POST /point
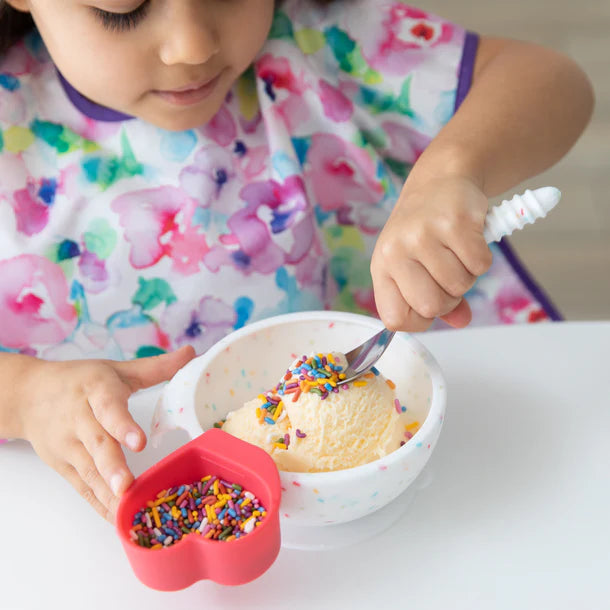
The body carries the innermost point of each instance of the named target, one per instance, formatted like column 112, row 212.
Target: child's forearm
column 525, row 109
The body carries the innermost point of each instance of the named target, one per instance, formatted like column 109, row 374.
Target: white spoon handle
column 515, row 213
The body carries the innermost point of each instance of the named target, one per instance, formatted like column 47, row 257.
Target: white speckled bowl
column 252, row 359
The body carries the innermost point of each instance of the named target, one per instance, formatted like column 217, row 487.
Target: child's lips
column 189, row 94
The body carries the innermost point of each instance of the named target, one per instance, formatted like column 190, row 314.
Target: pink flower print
column 341, row 173
column 392, row 38
column 285, row 200
column 221, row 128
column 31, row 205
column 293, row 112
column 210, row 174
column 423, row 31
column 19, row 60
column 304, row 241
column 31, row 215
column 405, row 144
column 252, row 125
column 253, row 162
column 158, row 223
column 312, row 265
column 337, row 106
column 515, row 305
column 273, row 209
column 95, row 276
column 276, row 73
column 201, row 324
column 35, row 307
column 285, row 90
column 257, row 251
column 275, row 228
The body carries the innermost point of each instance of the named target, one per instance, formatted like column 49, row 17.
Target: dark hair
column 15, row 24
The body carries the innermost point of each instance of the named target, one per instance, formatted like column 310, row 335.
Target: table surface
column 515, row 515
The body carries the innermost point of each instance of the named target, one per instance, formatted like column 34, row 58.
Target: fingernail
column 132, row 439
column 115, row 483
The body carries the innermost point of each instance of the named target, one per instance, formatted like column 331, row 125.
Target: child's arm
column 75, row 416
column 525, row 109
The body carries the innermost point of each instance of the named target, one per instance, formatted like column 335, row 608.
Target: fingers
column 474, row 254
column 108, row 401
column 394, row 311
column 409, row 294
column 430, row 253
column 460, row 317
column 83, row 475
column 146, row 372
column 418, row 277
column 107, row 456
column 108, row 395
column 448, row 272
column 420, row 290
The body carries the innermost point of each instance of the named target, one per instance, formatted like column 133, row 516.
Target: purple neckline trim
column 89, row 108
column 469, row 53
column 528, row 280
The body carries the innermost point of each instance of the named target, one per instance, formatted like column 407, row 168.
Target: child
column 173, row 169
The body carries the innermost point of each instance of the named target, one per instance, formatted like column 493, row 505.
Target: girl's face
column 169, row 62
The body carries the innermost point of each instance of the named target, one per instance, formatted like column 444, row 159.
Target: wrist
column 442, row 160
column 14, row 372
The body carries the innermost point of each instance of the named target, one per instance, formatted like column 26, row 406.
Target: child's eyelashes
column 121, row 22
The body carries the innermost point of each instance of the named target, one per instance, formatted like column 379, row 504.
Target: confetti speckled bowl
column 252, row 359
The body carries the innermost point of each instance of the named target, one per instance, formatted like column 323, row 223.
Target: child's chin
column 182, row 125
column 182, row 119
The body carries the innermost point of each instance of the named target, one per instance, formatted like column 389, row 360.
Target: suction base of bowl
column 327, row 537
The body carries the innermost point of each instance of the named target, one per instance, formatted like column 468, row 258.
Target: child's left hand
column 430, row 253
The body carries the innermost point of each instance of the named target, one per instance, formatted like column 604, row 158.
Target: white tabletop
column 516, row 515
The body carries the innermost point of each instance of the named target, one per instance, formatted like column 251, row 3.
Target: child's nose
column 190, row 36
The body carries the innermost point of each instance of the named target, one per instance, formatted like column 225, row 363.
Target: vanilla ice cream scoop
column 309, row 423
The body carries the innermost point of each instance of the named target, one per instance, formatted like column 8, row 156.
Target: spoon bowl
column 362, row 358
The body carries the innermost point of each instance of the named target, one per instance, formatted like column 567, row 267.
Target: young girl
column 171, row 170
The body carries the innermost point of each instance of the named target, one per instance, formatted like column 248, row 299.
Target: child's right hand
column 430, row 253
column 75, row 416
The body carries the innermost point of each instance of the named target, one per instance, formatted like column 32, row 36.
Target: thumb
column 145, row 372
column 460, row 316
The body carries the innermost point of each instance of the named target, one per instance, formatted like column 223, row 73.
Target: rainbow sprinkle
column 319, row 374
column 213, row 508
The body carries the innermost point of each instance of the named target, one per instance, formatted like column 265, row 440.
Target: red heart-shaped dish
column 194, row 557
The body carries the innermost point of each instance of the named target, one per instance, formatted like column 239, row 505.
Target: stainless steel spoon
column 501, row 220
column 362, row 358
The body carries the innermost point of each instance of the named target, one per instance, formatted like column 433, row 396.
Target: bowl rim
column 437, row 379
